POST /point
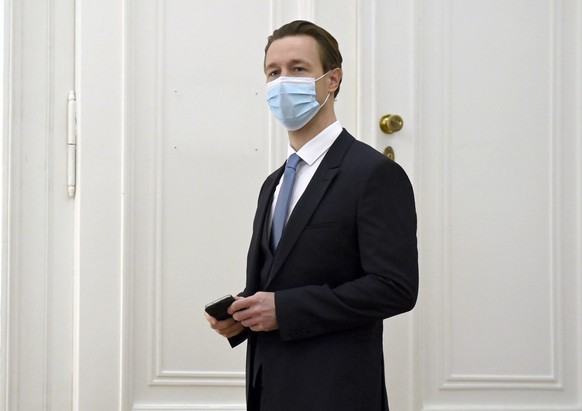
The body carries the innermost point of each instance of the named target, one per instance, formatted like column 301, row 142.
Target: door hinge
column 72, row 144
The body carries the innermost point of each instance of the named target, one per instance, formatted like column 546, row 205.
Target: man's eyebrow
column 299, row 61
column 292, row 62
column 270, row 66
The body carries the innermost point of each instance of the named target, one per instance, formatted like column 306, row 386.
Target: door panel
column 494, row 186
column 199, row 133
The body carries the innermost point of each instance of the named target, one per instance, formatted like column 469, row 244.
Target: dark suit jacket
column 346, row 261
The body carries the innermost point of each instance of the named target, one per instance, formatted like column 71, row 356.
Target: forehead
column 293, row 48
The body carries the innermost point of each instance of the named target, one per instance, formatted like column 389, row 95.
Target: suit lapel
column 259, row 230
column 310, row 199
column 266, row 203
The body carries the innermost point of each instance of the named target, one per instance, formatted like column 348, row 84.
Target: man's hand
column 256, row 312
column 227, row 328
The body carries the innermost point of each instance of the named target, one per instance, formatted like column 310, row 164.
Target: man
column 318, row 289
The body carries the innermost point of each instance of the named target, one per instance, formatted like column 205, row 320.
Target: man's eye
column 273, row 73
column 298, row 69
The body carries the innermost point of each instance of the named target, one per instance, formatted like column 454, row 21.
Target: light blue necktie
column 282, row 206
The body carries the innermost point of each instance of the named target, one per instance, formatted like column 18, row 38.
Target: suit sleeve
column 239, row 338
column 386, row 231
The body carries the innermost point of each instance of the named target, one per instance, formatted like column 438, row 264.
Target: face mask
column 292, row 100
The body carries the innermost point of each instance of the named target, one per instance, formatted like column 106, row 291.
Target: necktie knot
column 293, row 161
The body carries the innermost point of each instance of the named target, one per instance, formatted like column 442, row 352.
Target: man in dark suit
column 321, row 280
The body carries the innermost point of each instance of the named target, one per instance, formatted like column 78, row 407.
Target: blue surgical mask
column 293, row 101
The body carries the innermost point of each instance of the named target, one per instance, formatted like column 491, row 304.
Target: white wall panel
column 499, row 316
column 185, row 119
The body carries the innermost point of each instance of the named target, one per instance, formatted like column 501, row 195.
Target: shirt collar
column 318, row 145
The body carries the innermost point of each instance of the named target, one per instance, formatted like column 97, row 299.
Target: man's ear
column 335, row 78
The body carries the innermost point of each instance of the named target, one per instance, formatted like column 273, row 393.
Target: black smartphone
column 218, row 308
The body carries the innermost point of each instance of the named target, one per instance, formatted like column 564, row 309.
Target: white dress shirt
column 312, row 154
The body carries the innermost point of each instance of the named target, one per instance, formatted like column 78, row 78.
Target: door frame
column 36, row 298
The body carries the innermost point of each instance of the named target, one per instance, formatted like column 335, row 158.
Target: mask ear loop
column 328, row 94
column 325, row 101
column 329, row 71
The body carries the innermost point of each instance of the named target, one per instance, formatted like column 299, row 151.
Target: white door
column 172, row 122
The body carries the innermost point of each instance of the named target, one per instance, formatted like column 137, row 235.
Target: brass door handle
column 391, row 123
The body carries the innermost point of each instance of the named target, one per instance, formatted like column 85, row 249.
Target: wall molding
column 199, row 378
column 160, row 375
column 195, row 407
column 472, row 407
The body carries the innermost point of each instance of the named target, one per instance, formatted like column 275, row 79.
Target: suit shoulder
column 364, row 157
